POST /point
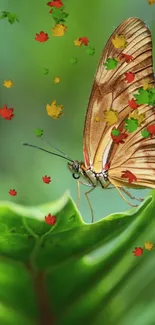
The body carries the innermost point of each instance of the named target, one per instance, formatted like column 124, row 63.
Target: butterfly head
column 76, row 168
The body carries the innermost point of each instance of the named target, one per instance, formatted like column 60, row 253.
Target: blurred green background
column 22, row 59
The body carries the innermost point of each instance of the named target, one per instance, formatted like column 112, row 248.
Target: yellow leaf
column 119, row 41
column 77, row 42
column 148, row 245
column 59, row 30
column 139, row 117
column 56, row 80
column 146, row 85
column 151, row 2
column 97, row 119
column 117, row 59
column 8, row 83
column 111, row 117
column 53, row 110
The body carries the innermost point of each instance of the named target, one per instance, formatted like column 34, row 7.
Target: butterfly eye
column 75, row 166
column 75, row 176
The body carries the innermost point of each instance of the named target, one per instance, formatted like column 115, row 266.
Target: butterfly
column 120, row 153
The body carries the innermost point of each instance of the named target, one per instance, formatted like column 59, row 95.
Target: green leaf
column 145, row 133
column 12, row 18
column 38, row 132
column 115, row 132
column 4, row 14
column 131, row 125
column 111, row 63
column 74, row 60
column 142, row 97
column 72, row 272
column 152, row 90
column 90, row 50
column 59, row 15
column 152, row 97
column 46, row 71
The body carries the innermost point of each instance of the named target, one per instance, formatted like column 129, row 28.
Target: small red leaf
column 127, row 57
column 129, row 77
column 132, row 103
column 151, row 129
column 138, row 251
column 13, row 192
column 56, row 4
column 50, row 220
column 41, row 37
column 6, row 113
column 119, row 138
column 131, row 177
column 84, row 40
column 46, row 179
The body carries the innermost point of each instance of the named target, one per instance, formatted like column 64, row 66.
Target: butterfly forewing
column 111, row 91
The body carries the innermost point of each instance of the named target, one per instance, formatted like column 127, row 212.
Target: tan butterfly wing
column 110, row 90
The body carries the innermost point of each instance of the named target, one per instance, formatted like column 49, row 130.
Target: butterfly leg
column 91, row 209
column 123, row 197
column 130, row 195
column 78, row 189
column 78, row 185
column 109, row 188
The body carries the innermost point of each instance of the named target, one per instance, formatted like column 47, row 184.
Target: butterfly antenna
column 51, row 145
column 52, row 153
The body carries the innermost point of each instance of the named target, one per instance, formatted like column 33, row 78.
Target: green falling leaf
column 152, row 96
column 145, row 133
column 38, row 132
column 59, row 15
column 74, row 60
column 115, row 132
column 131, row 125
column 110, row 64
column 12, row 18
column 4, row 14
column 142, row 97
column 90, row 50
column 46, row 71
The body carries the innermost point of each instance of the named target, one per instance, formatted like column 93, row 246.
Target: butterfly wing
column 138, row 159
column 111, row 91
